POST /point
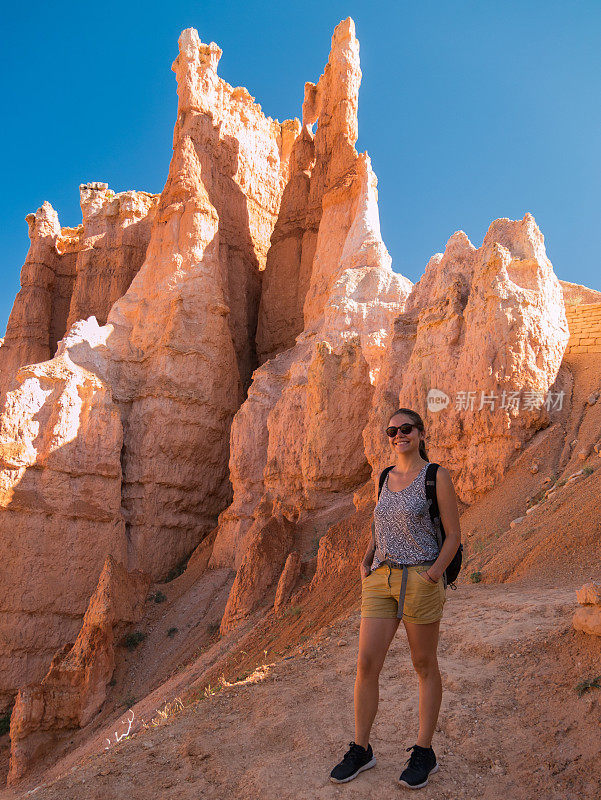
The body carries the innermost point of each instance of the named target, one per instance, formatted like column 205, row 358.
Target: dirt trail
column 511, row 723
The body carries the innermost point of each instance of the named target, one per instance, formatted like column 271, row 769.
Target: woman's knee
column 425, row 666
column 368, row 666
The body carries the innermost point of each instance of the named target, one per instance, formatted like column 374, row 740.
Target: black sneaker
column 355, row 761
column 420, row 764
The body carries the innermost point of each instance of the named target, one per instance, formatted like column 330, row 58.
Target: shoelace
column 417, row 758
column 354, row 751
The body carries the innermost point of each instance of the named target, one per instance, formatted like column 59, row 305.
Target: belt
column 405, row 571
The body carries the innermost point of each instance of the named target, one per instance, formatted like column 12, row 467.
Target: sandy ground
column 511, row 724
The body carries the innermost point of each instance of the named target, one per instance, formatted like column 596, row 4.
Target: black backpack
column 452, row 571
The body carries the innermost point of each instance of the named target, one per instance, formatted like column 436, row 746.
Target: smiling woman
column 402, row 577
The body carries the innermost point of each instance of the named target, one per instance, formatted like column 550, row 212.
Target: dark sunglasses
column 405, row 428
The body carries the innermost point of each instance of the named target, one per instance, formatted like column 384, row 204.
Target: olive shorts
column 380, row 590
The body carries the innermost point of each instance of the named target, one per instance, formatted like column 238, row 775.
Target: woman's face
column 404, row 442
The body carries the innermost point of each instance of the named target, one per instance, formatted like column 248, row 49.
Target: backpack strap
column 383, row 475
column 431, row 471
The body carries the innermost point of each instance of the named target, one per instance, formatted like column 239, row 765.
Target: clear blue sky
column 469, row 110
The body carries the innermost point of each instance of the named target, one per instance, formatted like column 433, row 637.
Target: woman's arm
column 449, row 515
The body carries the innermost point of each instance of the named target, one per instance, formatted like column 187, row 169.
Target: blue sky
column 469, row 110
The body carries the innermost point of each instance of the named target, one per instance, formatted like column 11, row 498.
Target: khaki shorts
column 380, row 590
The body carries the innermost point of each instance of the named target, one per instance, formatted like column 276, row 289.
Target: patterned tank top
column 404, row 531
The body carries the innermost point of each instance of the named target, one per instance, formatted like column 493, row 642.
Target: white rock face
column 490, row 321
column 296, row 442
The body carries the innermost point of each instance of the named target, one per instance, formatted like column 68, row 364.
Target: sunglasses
column 405, row 428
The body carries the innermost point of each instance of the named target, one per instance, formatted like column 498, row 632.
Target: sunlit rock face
column 75, row 686
column 296, row 442
column 182, row 342
column 60, row 502
column 490, row 321
column 72, row 273
column 120, row 443
column 116, row 232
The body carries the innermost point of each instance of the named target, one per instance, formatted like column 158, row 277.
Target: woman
column 407, row 556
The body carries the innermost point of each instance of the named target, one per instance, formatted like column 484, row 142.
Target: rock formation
column 39, row 314
column 263, row 563
column 72, row 273
column 575, row 294
column 181, row 345
column 75, row 686
column 116, row 232
column 119, row 445
column 287, row 579
column 587, row 617
column 296, row 443
column 60, row 499
column 487, row 328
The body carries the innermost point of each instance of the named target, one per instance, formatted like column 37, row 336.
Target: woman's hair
column 419, row 424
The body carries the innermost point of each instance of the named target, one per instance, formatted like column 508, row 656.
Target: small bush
column 292, row 611
column 171, row 632
column 214, row 628
column 586, row 684
column 476, row 577
column 132, row 640
column 587, row 470
column 129, row 700
column 4, row 724
column 158, row 597
column 562, row 482
column 113, row 681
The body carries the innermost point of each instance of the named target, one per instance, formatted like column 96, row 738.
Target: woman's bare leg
column 375, row 636
column 423, row 643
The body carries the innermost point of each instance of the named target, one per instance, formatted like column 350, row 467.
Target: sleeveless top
column 404, row 531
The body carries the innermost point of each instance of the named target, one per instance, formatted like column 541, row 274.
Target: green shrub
column 4, row 724
column 587, row 470
column 172, row 631
column 132, row 640
column 476, row 577
column 292, row 611
column 586, row 684
column 158, row 597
